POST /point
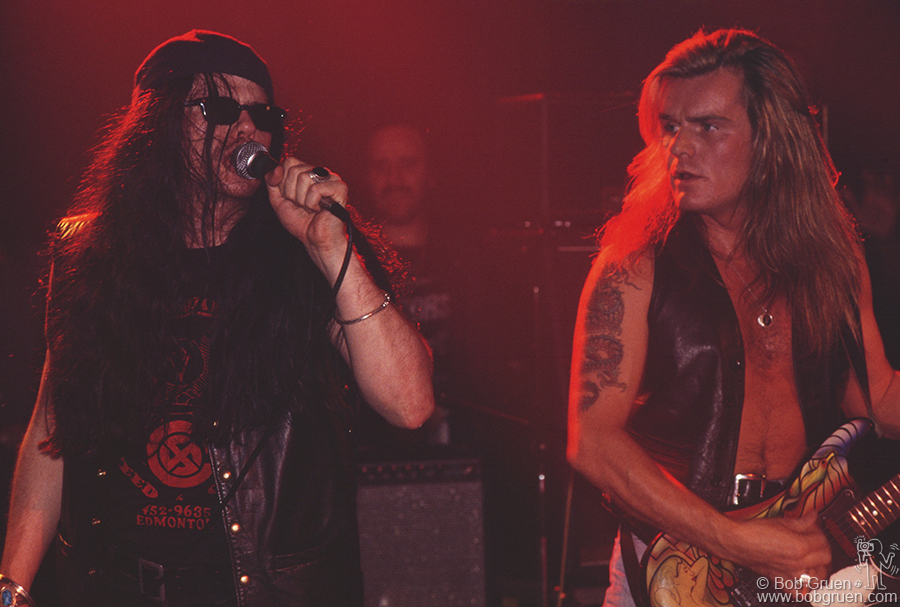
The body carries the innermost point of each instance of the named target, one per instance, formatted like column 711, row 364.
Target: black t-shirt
column 163, row 495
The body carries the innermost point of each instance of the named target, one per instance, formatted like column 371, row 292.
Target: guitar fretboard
column 867, row 518
column 877, row 510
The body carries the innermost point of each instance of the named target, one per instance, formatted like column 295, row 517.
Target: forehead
column 716, row 94
column 227, row 85
column 394, row 142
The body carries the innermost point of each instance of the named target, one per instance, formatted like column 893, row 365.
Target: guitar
column 674, row 573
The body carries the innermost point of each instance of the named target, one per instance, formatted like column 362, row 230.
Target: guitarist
column 726, row 325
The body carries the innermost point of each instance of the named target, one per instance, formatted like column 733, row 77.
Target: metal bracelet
column 384, row 304
column 13, row 595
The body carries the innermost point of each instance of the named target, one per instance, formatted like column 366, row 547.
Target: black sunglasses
column 225, row 110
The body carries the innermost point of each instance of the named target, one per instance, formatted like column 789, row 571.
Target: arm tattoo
column 603, row 349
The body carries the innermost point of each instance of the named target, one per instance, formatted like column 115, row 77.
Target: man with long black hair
column 206, row 336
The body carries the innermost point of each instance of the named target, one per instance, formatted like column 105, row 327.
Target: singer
column 191, row 441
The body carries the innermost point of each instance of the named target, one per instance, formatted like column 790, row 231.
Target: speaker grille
column 421, row 533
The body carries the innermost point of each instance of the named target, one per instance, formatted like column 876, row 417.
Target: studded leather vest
column 693, row 386
column 290, row 526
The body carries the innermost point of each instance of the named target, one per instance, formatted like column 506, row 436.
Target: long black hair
column 121, row 276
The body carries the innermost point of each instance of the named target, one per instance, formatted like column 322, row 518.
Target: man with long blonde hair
column 726, row 326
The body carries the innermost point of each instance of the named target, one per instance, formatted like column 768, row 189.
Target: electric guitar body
column 675, row 573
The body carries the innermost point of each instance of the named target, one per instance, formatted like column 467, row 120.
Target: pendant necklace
column 764, row 319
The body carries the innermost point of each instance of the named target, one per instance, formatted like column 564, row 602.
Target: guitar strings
column 868, row 518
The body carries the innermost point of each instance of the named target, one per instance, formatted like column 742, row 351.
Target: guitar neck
column 876, row 511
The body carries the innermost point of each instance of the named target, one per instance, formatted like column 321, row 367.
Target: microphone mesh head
column 244, row 154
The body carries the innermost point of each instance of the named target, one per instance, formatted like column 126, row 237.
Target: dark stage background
column 522, row 182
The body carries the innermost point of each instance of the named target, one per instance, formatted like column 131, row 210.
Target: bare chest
column 772, row 439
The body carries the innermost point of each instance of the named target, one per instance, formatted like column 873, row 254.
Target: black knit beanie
column 200, row 51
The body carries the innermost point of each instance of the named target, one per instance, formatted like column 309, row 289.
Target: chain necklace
column 764, row 319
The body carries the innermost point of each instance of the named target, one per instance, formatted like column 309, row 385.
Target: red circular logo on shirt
column 175, row 458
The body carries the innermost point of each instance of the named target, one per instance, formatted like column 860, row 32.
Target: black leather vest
column 290, row 526
column 693, row 385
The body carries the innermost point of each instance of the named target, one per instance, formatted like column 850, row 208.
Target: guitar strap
column 631, row 564
column 857, row 357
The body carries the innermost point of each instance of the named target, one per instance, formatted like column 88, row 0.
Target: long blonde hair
column 797, row 232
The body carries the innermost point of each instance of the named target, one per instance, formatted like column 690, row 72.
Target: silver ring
column 319, row 174
column 805, row 579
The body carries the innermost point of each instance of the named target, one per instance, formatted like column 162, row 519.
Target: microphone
column 253, row 161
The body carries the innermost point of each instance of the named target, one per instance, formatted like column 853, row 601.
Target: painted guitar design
column 677, row 574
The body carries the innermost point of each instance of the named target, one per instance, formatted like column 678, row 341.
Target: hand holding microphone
column 253, row 161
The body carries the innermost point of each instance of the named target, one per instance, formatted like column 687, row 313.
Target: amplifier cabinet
column 422, row 533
